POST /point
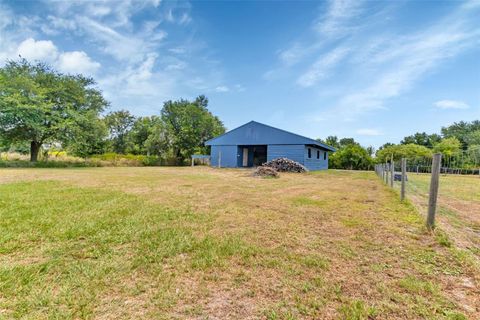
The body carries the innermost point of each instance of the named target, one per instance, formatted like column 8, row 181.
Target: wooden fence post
column 219, row 159
column 392, row 173
column 192, row 162
column 404, row 177
column 434, row 183
column 386, row 173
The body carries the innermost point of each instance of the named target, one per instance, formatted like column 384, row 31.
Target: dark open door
column 259, row 155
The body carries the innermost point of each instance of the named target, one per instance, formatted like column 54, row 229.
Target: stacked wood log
column 262, row 171
column 285, row 165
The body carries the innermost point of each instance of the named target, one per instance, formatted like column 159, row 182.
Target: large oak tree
column 40, row 105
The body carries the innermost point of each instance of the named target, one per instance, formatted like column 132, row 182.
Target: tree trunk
column 178, row 157
column 34, row 149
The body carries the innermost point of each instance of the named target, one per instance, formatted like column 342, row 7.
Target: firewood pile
column 285, row 165
column 262, row 171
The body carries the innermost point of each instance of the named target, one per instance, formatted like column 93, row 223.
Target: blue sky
column 372, row 70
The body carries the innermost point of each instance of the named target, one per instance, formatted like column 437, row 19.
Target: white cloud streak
column 322, row 67
column 337, row 21
column 222, row 89
column 386, row 66
column 369, row 132
column 451, row 104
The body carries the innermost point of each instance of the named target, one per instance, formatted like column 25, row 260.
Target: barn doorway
column 259, row 155
column 252, row 155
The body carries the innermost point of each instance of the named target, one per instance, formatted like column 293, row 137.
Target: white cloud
column 293, row 54
column 6, row 16
column 402, row 64
column 337, row 21
column 100, row 11
column 179, row 65
column 239, row 88
column 333, row 24
column 222, row 89
column 233, row 88
column 42, row 50
column 184, row 19
column 77, row 62
column 322, row 67
column 178, row 50
column 390, row 65
column 139, row 69
column 451, row 104
column 369, row 132
column 46, row 51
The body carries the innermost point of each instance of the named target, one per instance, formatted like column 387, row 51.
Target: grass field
column 459, row 206
column 201, row 243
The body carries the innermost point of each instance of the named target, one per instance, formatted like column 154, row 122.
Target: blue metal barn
column 255, row 143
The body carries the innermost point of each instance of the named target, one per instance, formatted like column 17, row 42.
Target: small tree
column 422, row 139
column 189, row 125
column 90, row 138
column 399, row 151
column 40, row 105
column 158, row 142
column 448, row 146
column 119, row 124
column 351, row 156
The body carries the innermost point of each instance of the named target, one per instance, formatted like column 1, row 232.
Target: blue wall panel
column 293, row 152
column 231, row 156
column 313, row 163
column 228, row 154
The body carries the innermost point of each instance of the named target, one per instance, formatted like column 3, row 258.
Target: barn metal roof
column 255, row 133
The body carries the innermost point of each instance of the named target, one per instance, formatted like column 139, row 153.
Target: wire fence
column 449, row 190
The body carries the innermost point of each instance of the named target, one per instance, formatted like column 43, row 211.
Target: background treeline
column 47, row 115
column 459, row 142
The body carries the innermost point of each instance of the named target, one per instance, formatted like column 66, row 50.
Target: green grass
column 79, row 239
column 357, row 310
column 304, row 201
column 164, row 243
column 458, row 208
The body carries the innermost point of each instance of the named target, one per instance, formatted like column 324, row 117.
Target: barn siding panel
column 293, row 152
column 313, row 163
column 229, row 156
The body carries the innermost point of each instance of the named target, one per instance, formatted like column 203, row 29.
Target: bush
column 63, row 160
column 128, row 160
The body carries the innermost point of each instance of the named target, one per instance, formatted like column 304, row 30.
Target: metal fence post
column 404, row 176
column 434, row 183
